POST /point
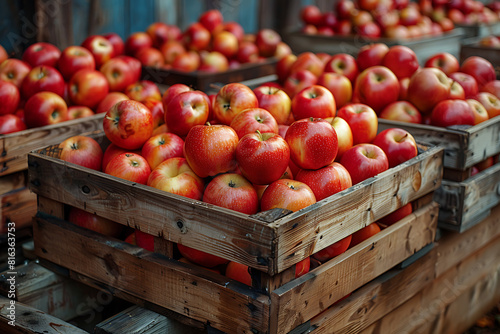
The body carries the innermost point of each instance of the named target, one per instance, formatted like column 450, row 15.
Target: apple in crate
column 343, row 63
column 398, row 144
column 444, row 61
column 110, row 100
column 314, row 101
column 395, row 216
column 161, row 147
column 186, row 110
column 117, row 43
column 254, row 119
column 143, row 90
column 262, row 157
column 11, row 123
column 276, row 101
column 112, row 151
column 468, row 83
column 82, row 150
column 14, row 70
column 134, row 65
column 287, row 194
column 492, row 87
column 232, row 99
column 9, row 98
column 94, row 222
column 137, row 41
column 117, row 72
column 377, row 86
column 297, row 81
column 45, row 108
column 129, row 166
column 3, row 54
column 480, row 68
column 364, row 233
column 326, row 181
column 174, row 175
column 362, row 120
column 490, row 102
column 402, row 111
column 363, row 161
column 339, row 85
column 401, row 60
column 41, row 54
column 199, row 257
column 196, row 37
column 344, row 135
column 75, row 112
column 371, row 55
column 42, row 79
column 267, row 41
column 452, row 112
column 238, row 272
column 73, row 59
column 128, row 124
column 88, row 88
column 333, row 250
column 100, row 47
column 308, row 61
column 480, row 113
column 211, row 149
column 428, row 87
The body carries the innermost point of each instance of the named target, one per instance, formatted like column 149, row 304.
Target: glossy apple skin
column 492, row 87
column 94, row 222
column 267, row 41
column 73, row 59
column 213, row 62
column 308, row 61
column 211, row 19
column 490, row 102
column 297, row 81
column 112, row 151
column 481, row 69
column 343, row 63
column 82, row 150
column 170, row 50
column 232, row 99
column 395, row 216
column 302, row 267
column 143, row 90
column 252, row 120
column 172, row 91
column 118, row 74
column 9, row 98
column 398, row 144
column 128, row 124
column 117, row 43
column 11, row 123
column 45, row 108
column 75, row 112
column 480, row 112
column 276, row 101
column 187, row 62
column 362, row 120
column 283, row 67
column 3, row 54
column 14, row 70
column 88, row 88
column 339, row 85
column 100, row 47
column 287, row 194
column 363, row 161
column 137, row 41
column 186, row 110
column 371, row 55
column 445, row 61
column 41, row 54
column 326, row 181
column 262, row 157
column 174, row 175
column 377, row 87
column 402, row 111
column 42, row 79
column 196, row 37
column 344, row 135
column 225, row 43
column 452, row 112
column 110, row 100
column 211, row 149
column 311, row 14
column 333, row 250
column 456, row 91
column 232, row 191
column 134, row 65
column 129, row 166
column 238, row 272
column 161, row 147
column 401, row 60
column 364, row 234
column 313, row 143
column 428, row 87
column 468, row 83
column 315, row 101
column 157, row 110
column 199, row 257
column 247, row 52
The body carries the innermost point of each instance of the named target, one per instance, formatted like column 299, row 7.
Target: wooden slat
column 376, row 299
column 16, row 146
column 17, row 206
column 29, row 320
column 422, row 312
column 13, row 181
column 30, row 277
column 153, row 277
column 136, row 319
column 300, row 300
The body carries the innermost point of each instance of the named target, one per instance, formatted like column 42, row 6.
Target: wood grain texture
column 17, row 206
column 153, row 277
column 298, row 301
column 13, row 181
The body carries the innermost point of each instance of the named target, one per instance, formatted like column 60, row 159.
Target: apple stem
column 232, row 184
column 115, row 120
column 74, row 146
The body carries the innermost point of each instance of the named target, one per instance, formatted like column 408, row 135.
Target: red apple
column 9, row 98
column 117, row 43
column 75, row 112
column 363, row 161
column 110, row 100
column 311, row 14
column 247, row 52
column 143, row 90
column 232, row 191
column 128, row 124
column 468, row 83
column 344, row 27
column 186, row 110
column 282, row 50
column 401, row 60
column 118, row 74
column 199, row 257
column 159, row 33
column 481, row 69
column 490, row 102
column 395, row 216
column 137, row 41
column 371, row 55
column 298, row 81
column 344, row 135
column 196, row 37
column 283, row 67
column 287, row 194
column 276, row 102
column 345, row 9
column 333, row 250
column 326, row 181
column 428, row 87
column 151, row 57
column 369, row 30
column 410, row 16
column 211, row 19
column 45, row 108
column 161, row 147
column 94, row 222
column 456, row 91
column 362, row 120
column 314, row 101
column 42, row 79
column 313, row 143
column 211, row 149
column 492, row 87
column 267, row 41
column 173, row 91
column 339, row 85
column 112, row 151
column 235, row 28
column 238, row 272
column 307, row 61
column 343, row 63
column 254, row 119
column 232, row 99
column 452, row 112
column 41, row 54
column 262, row 157
column 445, row 61
column 129, row 166
column 11, row 123
column 480, row 113
column 100, row 47
column 226, row 43
column 377, row 87
column 157, row 110
column 174, row 175
column 73, row 59
column 14, row 70
column 213, row 61
column 187, row 62
column 398, row 145
column 3, row 54
column 82, row 150
column 88, row 88
column 402, row 111
column 364, row 234
column 134, row 65
column 170, row 50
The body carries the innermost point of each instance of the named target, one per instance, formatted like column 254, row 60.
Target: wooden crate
column 423, row 47
column 271, row 243
column 479, row 30
column 471, row 47
column 18, row 203
column 248, row 74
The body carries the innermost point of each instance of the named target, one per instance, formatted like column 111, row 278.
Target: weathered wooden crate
column 479, row 30
column 464, row 200
column 17, row 202
column 424, row 47
column 471, row 47
column 247, row 74
column 270, row 243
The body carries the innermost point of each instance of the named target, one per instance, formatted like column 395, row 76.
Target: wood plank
column 30, row 277
column 16, row 146
column 376, row 299
column 17, row 206
column 29, row 320
column 421, row 313
column 292, row 306
column 13, row 181
column 153, row 277
column 136, row 319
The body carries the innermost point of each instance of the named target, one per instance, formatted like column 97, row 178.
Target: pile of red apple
column 245, row 150
column 210, row 44
column 490, row 41
column 48, row 85
column 463, row 12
